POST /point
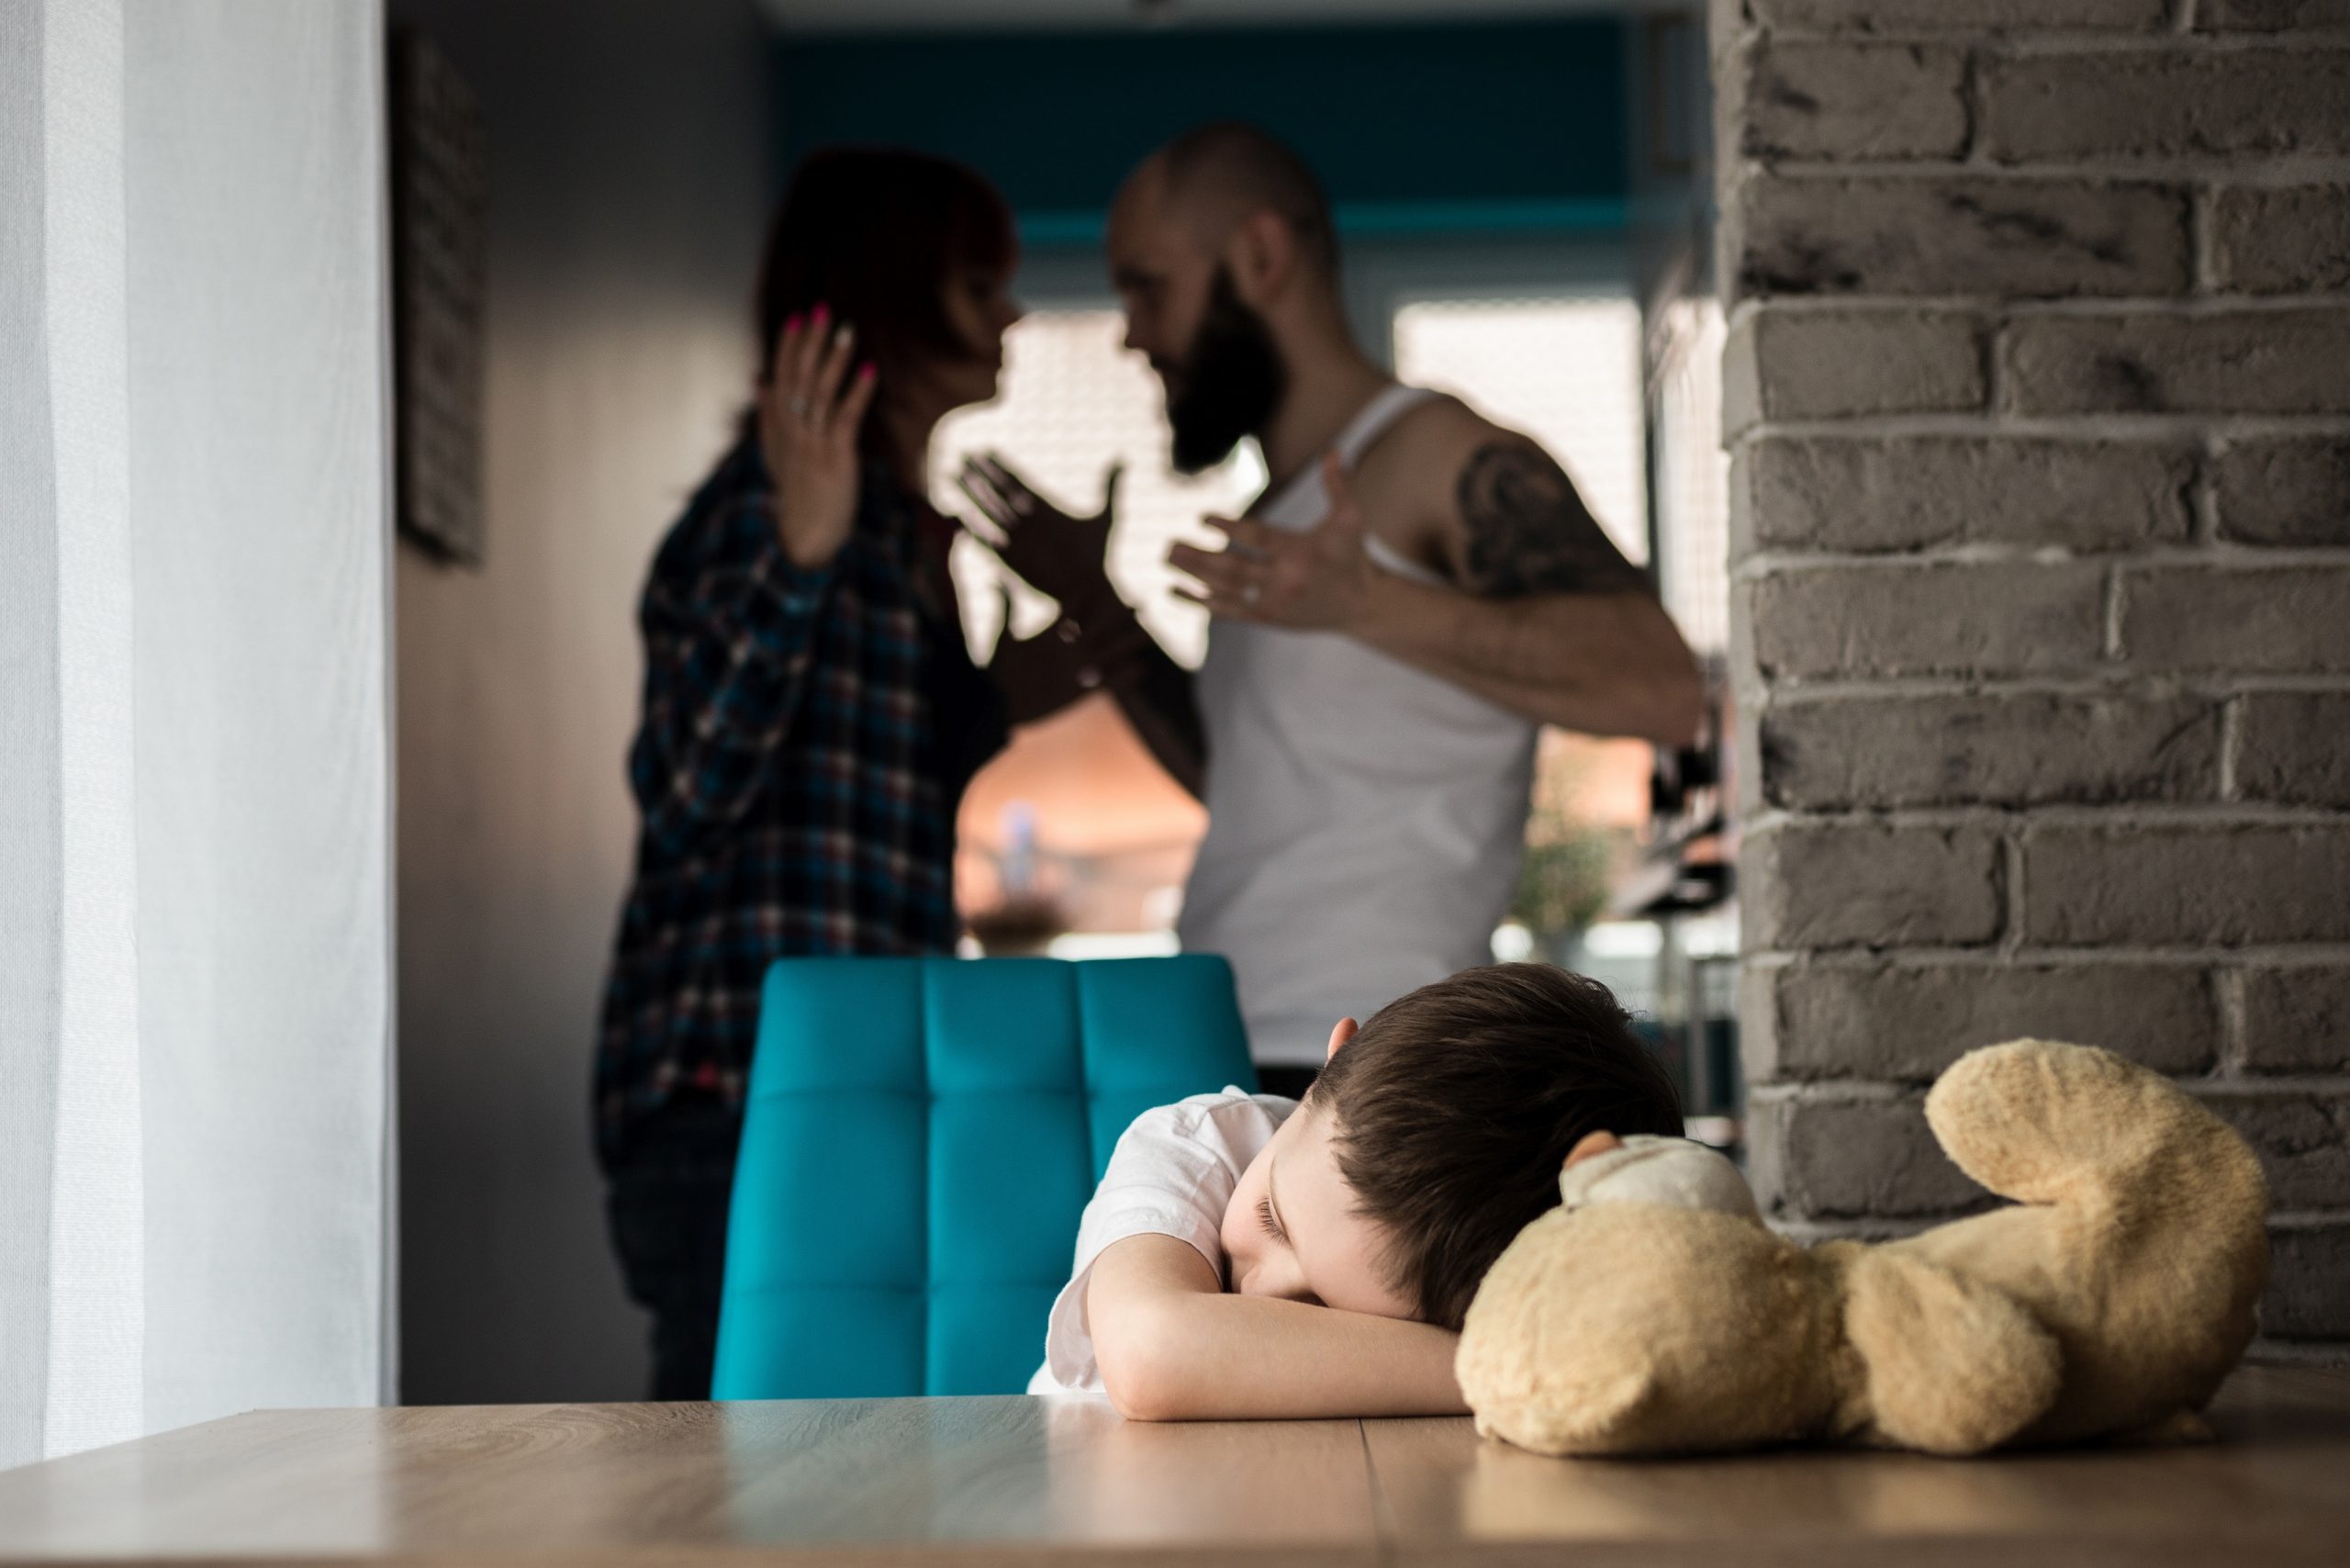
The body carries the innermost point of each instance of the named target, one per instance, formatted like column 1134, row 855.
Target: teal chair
column 919, row 1137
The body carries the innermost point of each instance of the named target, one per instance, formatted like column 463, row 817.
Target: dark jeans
column 666, row 1206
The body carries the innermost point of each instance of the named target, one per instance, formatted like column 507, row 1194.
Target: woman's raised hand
column 810, row 410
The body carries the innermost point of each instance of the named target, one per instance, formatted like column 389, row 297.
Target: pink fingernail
column 791, row 323
column 821, row 312
column 865, row 371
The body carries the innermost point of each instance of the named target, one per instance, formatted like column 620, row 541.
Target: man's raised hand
column 1314, row 581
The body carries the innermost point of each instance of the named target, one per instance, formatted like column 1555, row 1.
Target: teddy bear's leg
column 2045, row 1123
column 2142, row 1242
column 1954, row 1366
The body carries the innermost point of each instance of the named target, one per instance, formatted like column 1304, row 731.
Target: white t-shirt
column 1313, row 830
column 1172, row 1175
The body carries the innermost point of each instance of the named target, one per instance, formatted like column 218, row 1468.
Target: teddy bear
column 1653, row 1313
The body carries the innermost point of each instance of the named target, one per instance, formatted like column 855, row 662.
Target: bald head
column 1222, row 251
column 1216, row 176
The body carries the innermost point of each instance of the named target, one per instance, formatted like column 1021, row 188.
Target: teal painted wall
column 1425, row 129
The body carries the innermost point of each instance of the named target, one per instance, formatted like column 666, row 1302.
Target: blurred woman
column 811, row 715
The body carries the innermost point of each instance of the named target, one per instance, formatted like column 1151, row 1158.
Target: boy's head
column 1435, row 1136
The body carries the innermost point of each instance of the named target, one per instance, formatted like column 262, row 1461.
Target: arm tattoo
column 1528, row 532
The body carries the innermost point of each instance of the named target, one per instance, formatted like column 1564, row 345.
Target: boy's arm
column 1172, row 1346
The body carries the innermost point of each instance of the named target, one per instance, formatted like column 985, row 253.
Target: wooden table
column 1017, row 1480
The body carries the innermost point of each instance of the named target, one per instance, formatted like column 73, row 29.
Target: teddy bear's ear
column 1954, row 1366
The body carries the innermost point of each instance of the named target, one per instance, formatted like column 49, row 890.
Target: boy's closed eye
column 1292, row 1230
column 1268, row 1207
column 1268, row 1220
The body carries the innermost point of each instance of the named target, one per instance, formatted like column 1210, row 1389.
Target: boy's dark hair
column 1456, row 1106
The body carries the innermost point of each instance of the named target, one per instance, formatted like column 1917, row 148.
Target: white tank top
column 1365, row 818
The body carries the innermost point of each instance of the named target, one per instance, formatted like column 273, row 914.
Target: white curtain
column 195, row 940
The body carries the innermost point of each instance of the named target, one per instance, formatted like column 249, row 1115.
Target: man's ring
column 799, row 407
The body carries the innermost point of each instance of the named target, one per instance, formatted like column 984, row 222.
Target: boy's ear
column 1345, row 1031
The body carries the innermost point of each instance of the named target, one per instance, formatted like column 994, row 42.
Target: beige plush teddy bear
column 1654, row 1313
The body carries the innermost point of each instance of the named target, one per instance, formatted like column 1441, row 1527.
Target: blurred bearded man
column 1415, row 592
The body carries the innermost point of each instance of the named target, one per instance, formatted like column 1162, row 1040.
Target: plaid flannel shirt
column 806, row 738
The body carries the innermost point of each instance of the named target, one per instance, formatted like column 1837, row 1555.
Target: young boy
column 1248, row 1256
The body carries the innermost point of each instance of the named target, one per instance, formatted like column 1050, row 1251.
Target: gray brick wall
column 2037, row 394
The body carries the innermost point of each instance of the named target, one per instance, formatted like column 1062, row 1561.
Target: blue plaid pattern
column 806, row 738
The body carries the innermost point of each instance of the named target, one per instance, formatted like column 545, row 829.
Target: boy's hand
column 1173, row 1346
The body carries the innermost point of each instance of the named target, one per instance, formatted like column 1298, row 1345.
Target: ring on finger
column 799, row 407
column 1251, row 592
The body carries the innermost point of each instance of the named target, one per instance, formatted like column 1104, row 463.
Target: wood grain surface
column 1009, row 1480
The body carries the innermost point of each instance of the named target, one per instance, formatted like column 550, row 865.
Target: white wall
column 628, row 197
column 194, row 960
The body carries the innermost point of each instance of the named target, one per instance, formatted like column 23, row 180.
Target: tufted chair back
column 919, row 1138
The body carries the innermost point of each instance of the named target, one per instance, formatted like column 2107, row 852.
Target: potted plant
column 1566, row 874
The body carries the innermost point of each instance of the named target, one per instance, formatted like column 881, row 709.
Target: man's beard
column 1232, row 380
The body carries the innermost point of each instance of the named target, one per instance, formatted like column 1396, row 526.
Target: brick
column 1960, row 16
column 1992, row 618
column 2229, row 103
column 1745, row 765
column 1808, row 885
column 1872, row 494
column 2237, row 362
column 1833, row 363
column 2028, row 748
column 2097, row 886
column 1906, row 1023
column 2269, row 16
column 2293, row 747
column 2303, row 1141
column 1965, row 235
column 2308, row 1282
column 2281, row 239
column 2269, row 619
column 1831, row 1158
column 1853, row 100
column 2285, row 492
column 1726, row 26
column 2297, row 1019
